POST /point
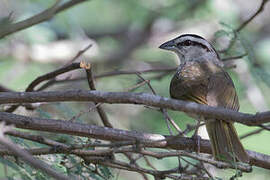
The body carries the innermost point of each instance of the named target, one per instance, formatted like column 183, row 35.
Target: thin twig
column 142, row 152
column 37, row 138
column 265, row 127
column 45, row 77
column 79, row 54
column 108, row 74
column 190, row 128
column 197, row 168
column 219, row 164
column 257, row 131
column 234, row 57
column 51, row 75
column 103, row 116
column 39, row 18
column 100, row 110
column 164, row 111
column 83, row 112
column 157, row 174
column 28, row 158
column 237, row 30
column 136, row 86
column 261, row 8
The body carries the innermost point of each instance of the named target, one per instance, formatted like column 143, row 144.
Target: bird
column 201, row 78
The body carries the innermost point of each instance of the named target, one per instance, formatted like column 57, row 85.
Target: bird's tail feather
column 225, row 143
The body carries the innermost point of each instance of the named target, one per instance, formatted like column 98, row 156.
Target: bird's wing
column 221, row 91
column 190, row 83
column 204, row 83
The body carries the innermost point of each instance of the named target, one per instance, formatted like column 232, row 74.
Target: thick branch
column 109, row 134
column 136, row 98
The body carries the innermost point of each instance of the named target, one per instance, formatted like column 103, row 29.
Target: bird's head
column 190, row 47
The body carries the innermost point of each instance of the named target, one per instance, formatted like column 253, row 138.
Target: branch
column 218, row 164
column 37, row 138
column 108, row 74
column 51, row 75
column 261, row 8
column 28, row 158
column 103, row 116
column 236, row 31
column 39, row 18
column 164, row 111
column 109, row 134
column 234, row 57
column 108, row 152
column 136, row 98
column 257, row 131
column 157, row 174
column 4, row 89
column 44, row 77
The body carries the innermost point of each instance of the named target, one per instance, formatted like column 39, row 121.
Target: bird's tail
column 225, row 143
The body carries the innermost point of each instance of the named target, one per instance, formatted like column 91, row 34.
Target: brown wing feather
column 190, row 83
column 205, row 83
column 221, row 91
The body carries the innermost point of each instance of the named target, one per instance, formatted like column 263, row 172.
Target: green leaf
column 59, row 168
column 221, row 33
column 225, row 25
column 44, row 114
column 10, row 178
column 105, row 171
column 41, row 176
column 9, row 163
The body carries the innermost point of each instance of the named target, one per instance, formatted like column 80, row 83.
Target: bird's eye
column 187, row 43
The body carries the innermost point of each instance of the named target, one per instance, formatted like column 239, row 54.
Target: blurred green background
column 125, row 35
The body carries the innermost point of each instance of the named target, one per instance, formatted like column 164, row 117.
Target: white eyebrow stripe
column 196, row 39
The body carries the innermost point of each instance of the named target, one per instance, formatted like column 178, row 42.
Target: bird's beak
column 169, row 45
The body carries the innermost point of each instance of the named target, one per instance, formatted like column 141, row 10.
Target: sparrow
column 201, row 78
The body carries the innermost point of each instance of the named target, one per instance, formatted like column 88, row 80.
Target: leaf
column 9, row 163
column 10, row 178
column 59, row 168
column 94, row 176
column 41, row 176
column 25, row 177
column 44, row 114
column 105, row 171
column 221, row 33
column 225, row 25
column 66, row 110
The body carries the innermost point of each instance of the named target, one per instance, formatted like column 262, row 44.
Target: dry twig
column 41, row 17
column 28, row 158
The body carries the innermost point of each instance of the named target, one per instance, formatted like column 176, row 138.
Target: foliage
column 125, row 35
